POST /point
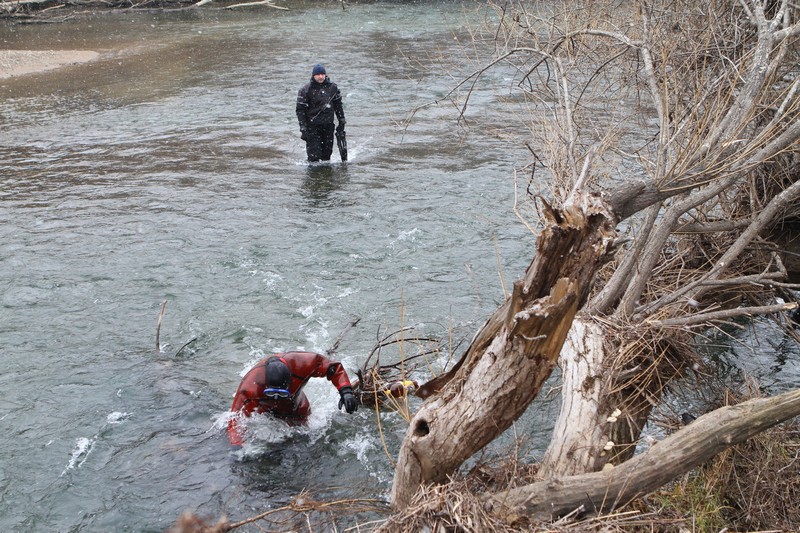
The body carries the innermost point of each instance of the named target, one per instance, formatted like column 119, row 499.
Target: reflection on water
column 323, row 181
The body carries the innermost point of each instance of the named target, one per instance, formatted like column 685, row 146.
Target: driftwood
column 267, row 3
column 668, row 459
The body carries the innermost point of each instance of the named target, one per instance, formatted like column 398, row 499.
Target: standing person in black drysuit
column 317, row 102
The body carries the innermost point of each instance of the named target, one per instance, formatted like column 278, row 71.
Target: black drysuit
column 316, row 105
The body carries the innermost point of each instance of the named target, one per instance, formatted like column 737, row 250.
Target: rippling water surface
column 171, row 170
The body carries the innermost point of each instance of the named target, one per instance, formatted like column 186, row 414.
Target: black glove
column 303, row 134
column 340, row 127
column 348, row 400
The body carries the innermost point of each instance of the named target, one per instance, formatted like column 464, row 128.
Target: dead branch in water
column 185, row 344
column 378, row 382
column 335, row 346
column 267, row 3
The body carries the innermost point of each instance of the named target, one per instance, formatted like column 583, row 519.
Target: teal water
column 171, row 169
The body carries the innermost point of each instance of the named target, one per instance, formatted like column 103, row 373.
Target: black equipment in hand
column 348, row 400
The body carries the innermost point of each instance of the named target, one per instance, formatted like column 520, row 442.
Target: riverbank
column 20, row 62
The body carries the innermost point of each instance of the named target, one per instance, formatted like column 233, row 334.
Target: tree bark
column 578, row 439
column 687, row 448
column 608, row 392
column 513, row 354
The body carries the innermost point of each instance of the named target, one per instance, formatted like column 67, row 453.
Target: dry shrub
column 459, row 506
column 762, row 486
column 759, row 480
column 189, row 522
column 450, row 507
column 753, row 486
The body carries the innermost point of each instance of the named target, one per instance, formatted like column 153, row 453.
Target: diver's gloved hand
column 303, row 134
column 340, row 127
column 348, row 400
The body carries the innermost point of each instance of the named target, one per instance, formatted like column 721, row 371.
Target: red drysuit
column 303, row 366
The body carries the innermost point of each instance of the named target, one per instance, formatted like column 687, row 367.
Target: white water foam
column 116, row 417
column 83, row 447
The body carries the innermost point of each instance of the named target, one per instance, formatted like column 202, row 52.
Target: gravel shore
column 20, row 62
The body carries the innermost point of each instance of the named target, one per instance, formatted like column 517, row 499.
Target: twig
column 728, row 313
column 500, row 265
column 187, row 343
column 380, row 429
column 297, row 507
column 384, row 342
column 332, row 350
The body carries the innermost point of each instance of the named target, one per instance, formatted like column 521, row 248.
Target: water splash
column 83, row 447
column 116, row 417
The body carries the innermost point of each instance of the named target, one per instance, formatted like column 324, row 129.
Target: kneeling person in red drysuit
column 275, row 385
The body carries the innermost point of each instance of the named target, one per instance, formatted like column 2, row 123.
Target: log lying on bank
column 25, row 7
column 665, row 461
column 38, row 10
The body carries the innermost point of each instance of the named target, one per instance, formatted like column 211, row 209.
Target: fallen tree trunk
column 665, row 461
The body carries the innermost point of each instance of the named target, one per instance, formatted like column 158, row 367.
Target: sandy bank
column 19, row 62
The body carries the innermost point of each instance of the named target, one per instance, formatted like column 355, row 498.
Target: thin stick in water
column 332, row 350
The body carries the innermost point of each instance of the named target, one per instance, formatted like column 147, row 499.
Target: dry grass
column 752, row 487
column 302, row 514
column 759, row 480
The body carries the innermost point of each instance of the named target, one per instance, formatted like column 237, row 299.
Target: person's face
column 319, row 78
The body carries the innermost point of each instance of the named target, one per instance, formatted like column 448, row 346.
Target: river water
column 171, row 170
